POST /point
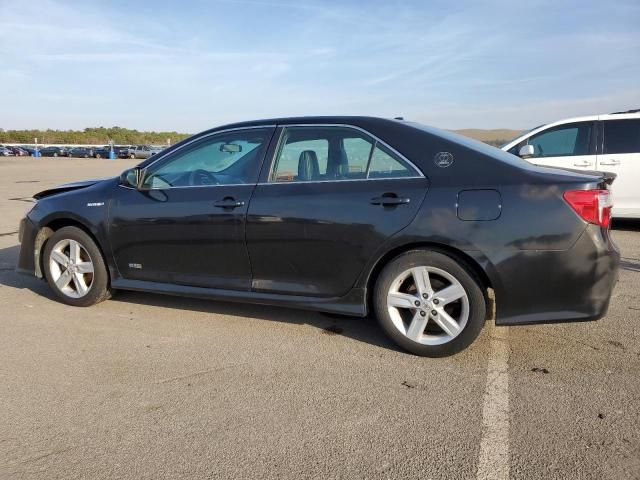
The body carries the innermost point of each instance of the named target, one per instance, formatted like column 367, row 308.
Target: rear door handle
column 389, row 199
column 228, row 202
column 610, row 162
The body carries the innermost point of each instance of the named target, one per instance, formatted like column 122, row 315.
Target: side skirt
column 351, row 304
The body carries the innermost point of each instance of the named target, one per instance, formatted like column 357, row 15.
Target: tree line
column 95, row 136
column 102, row 135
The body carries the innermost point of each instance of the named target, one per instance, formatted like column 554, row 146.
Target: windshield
column 520, row 135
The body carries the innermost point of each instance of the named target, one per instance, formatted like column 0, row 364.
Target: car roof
column 357, row 120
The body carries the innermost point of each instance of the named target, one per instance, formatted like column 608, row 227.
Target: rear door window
column 334, row 153
column 621, row 136
column 385, row 163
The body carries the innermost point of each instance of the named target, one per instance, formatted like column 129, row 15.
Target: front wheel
column 429, row 304
column 74, row 268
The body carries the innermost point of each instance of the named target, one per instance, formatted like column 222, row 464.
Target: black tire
column 132, row 156
column 99, row 289
column 464, row 275
column 98, row 155
column 55, row 154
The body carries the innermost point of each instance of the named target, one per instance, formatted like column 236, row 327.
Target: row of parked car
column 120, row 151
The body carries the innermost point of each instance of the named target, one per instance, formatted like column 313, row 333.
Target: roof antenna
column 398, row 118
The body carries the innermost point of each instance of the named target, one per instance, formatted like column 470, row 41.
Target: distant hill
column 495, row 137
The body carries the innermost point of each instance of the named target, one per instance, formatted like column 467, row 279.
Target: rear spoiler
column 606, row 177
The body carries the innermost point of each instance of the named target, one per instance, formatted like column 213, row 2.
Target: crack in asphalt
column 6, row 234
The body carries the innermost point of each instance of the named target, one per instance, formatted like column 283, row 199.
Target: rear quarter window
column 622, row 136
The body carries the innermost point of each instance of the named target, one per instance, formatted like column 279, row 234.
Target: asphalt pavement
column 145, row 386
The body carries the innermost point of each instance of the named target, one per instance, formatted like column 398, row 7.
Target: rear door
column 329, row 199
column 621, row 155
column 570, row 145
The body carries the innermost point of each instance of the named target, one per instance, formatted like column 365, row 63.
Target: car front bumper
column 27, row 237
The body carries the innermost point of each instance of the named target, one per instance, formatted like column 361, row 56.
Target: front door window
column 565, row 140
column 228, row 158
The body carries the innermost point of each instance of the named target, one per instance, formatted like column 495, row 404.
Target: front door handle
column 389, row 199
column 584, row 163
column 610, row 162
column 228, row 202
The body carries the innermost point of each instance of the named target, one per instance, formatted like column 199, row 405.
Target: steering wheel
column 202, row 177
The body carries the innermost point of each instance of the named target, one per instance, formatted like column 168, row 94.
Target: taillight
column 594, row 206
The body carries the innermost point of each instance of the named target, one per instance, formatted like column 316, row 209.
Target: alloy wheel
column 71, row 268
column 428, row 305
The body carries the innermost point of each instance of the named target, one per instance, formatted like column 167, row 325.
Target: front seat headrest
column 308, row 168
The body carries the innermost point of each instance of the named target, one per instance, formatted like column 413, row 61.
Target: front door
column 186, row 225
column 621, row 155
column 329, row 200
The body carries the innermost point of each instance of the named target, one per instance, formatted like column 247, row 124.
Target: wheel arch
column 52, row 226
column 452, row 252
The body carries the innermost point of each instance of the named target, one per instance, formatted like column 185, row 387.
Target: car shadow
column 361, row 329
column 625, row 224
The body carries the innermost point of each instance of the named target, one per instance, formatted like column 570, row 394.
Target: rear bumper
column 558, row 286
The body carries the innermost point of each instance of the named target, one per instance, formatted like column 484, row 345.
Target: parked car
column 350, row 215
column 53, row 152
column 119, row 149
column 23, row 152
column 29, row 149
column 5, row 152
column 102, row 152
column 125, row 151
column 597, row 142
column 146, row 151
column 17, row 151
column 81, row 152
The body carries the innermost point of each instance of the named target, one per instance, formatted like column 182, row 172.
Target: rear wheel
column 429, row 303
column 132, row 156
column 98, row 155
column 74, row 268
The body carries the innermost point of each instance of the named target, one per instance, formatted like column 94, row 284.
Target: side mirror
column 131, row 178
column 526, row 151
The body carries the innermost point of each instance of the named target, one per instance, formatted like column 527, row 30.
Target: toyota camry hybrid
column 349, row 215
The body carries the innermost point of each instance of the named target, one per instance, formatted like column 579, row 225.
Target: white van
column 599, row 142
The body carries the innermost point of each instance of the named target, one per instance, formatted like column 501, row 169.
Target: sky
column 191, row 65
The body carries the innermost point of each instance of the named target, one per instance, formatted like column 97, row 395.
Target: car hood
column 67, row 187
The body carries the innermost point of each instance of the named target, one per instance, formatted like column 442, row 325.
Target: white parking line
column 494, row 445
